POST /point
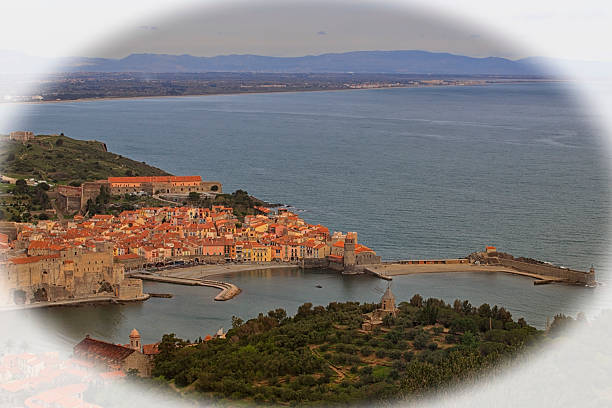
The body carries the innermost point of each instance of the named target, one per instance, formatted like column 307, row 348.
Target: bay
column 418, row 172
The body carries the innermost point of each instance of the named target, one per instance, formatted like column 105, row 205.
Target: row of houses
column 161, row 234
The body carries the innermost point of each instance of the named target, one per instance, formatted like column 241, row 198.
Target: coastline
column 111, row 98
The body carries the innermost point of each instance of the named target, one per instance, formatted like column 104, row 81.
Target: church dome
column 134, row 333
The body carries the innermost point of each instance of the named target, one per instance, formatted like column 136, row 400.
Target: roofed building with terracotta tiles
column 109, row 356
column 159, row 235
column 182, row 185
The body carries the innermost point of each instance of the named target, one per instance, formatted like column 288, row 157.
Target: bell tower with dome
column 135, row 340
column 387, row 302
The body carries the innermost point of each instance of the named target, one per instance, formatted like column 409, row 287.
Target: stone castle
column 48, row 272
column 348, row 256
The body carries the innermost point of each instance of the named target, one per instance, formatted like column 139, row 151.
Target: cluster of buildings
column 21, row 136
column 86, row 257
column 37, row 380
column 45, row 380
column 47, row 270
column 72, row 199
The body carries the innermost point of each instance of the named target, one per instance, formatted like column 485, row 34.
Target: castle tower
column 135, row 340
column 349, row 250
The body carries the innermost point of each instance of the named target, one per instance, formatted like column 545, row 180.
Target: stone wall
column 91, row 190
column 70, row 273
column 314, row 263
column 367, row 258
column 129, row 289
column 571, row 275
column 137, row 361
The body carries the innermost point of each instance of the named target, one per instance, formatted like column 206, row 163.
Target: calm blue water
column 419, row 173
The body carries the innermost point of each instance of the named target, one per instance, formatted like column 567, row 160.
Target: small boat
column 319, row 286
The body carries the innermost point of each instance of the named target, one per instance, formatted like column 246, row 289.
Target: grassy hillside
column 60, row 159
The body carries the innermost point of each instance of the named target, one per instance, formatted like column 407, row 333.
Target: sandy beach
column 203, row 271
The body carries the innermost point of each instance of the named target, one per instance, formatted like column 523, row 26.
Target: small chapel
column 387, row 307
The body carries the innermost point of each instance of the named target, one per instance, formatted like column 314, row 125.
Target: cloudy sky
column 115, row 28
column 295, row 29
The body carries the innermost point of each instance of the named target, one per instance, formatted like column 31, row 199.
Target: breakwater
column 541, row 273
column 564, row 274
column 228, row 290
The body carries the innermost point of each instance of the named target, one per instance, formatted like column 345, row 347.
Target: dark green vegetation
column 62, row 160
column 23, row 203
column 322, row 357
column 240, row 200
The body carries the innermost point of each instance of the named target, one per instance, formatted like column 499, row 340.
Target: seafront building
column 88, row 257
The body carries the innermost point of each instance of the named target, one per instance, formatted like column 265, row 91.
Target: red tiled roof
column 150, row 349
column 154, row 179
column 127, row 256
column 101, row 349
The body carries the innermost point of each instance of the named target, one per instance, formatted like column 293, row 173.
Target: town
column 88, row 257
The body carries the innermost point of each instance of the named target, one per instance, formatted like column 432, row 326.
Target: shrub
column 421, row 341
column 366, row 351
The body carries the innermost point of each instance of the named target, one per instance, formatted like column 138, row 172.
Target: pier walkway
column 228, row 290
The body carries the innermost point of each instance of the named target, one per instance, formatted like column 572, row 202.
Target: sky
column 296, row 29
column 116, row 28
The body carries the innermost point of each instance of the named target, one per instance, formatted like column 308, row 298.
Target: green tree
column 21, row 187
column 194, row 196
column 388, row 320
column 236, row 322
column 416, row 300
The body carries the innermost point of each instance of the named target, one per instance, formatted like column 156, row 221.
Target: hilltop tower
column 349, row 250
column 135, row 340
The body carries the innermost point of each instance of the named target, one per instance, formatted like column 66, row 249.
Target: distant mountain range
column 396, row 62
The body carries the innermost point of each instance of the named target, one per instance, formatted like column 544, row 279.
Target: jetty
column 228, row 290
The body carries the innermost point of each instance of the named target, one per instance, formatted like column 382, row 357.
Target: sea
column 429, row 172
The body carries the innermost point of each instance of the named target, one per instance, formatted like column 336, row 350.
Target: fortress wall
column 314, row 263
column 551, row 270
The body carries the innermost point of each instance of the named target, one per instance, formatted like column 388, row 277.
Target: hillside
column 63, row 160
column 322, row 357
